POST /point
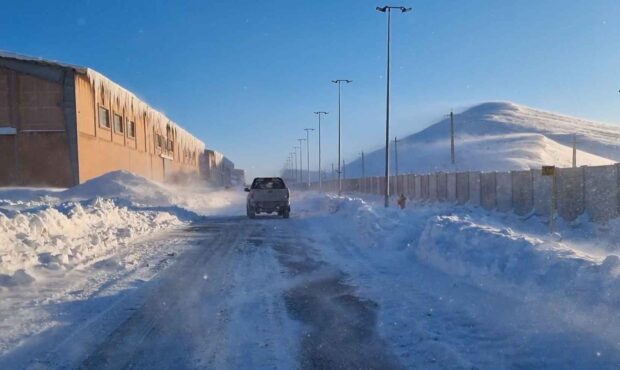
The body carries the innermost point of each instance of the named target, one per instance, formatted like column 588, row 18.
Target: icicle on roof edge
column 130, row 101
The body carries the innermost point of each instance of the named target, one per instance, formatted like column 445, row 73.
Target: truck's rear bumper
column 269, row 206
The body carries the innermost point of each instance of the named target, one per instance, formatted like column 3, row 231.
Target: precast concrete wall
column 542, row 192
column 522, row 192
column 462, row 187
column 601, row 192
column 594, row 190
column 503, row 183
column 442, row 186
column 488, row 196
column 570, row 192
column 474, row 188
column 432, row 187
column 452, row 187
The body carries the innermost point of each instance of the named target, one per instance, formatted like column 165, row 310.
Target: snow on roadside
column 502, row 252
column 53, row 230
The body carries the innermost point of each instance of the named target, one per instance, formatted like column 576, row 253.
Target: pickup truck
column 268, row 195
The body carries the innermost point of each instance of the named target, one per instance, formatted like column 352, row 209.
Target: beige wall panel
column 85, row 106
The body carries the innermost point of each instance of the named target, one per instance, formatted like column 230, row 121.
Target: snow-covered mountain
column 499, row 136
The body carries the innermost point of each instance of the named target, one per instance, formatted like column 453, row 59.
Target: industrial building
column 61, row 125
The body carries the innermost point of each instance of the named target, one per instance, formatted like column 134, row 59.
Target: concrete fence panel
column 522, row 192
column 417, row 184
column 601, row 192
column 542, row 192
column 432, row 187
column 451, row 180
column 442, row 186
column 488, row 197
column 503, row 190
column 424, row 187
column 474, row 188
column 462, row 187
column 570, row 192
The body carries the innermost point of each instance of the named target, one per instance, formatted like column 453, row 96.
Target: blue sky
column 245, row 76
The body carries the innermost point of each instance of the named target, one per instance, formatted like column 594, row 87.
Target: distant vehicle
column 268, row 195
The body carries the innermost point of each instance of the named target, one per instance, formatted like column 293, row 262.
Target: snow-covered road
column 342, row 284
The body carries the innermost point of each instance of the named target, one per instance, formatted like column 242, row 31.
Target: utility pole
column 396, row 164
column 452, row 156
column 296, row 167
column 574, row 150
column 396, row 155
column 363, row 182
column 388, row 10
column 338, row 82
column 308, row 152
column 320, row 164
column 363, row 166
column 301, row 162
column 344, row 173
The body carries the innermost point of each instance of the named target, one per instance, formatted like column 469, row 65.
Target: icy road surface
column 340, row 285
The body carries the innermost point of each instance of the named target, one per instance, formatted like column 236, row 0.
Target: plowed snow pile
column 503, row 252
column 55, row 230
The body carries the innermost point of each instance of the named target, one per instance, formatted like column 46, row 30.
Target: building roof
column 10, row 55
column 114, row 91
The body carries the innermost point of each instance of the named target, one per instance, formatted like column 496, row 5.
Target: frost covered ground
column 61, row 245
column 465, row 288
column 431, row 286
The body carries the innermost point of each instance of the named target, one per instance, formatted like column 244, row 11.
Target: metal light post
column 320, row 168
column 296, row 167
column 388, row 10
column 301, row 162
column 338, row 82
column 396, row 165
column 452, row 153
column 308, row 152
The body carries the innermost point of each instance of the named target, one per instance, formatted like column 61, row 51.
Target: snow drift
column 503, row 253
column 52, row 229
column 500, row 136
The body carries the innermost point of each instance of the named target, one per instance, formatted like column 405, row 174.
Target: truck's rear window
column 268, row 183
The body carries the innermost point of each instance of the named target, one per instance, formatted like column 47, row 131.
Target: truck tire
column 250, row 212
column 286, row 213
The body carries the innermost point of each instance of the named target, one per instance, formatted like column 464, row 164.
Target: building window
column 104, row 117
column 118, row 124
column 131, row 129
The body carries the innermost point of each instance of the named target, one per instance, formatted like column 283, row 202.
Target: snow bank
column 489, row 255
column 54, row 230
column 505, row 253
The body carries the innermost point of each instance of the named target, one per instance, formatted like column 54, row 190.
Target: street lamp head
column 405, row 10
column 382, row 9
column 348, row 81
column 335, row 81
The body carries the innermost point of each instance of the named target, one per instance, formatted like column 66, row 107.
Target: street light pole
column 339, row 132
column 320, row 165
column 301, row 162
column 295, row 157
column 452, row 154
column 308, row 152
column 388, row 10
column 363, row 167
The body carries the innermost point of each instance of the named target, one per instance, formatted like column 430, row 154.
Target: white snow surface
column 43, row 229
column 499, row 136
column 462, row 287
